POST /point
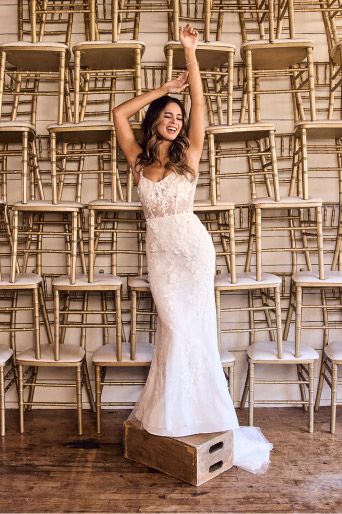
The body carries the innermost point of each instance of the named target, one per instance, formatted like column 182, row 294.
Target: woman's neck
column 163, row 154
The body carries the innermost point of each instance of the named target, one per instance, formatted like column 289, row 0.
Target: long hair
column 152, row 140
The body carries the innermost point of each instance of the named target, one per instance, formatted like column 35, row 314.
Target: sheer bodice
column 172, row 195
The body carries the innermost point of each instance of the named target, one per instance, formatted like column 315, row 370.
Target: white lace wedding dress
column 186, row 390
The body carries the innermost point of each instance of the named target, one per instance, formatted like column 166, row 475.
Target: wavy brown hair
column 152, row 140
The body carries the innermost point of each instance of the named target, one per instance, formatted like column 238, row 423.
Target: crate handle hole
column 216, row 447
column 216, row 466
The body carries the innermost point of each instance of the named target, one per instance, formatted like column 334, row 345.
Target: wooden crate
column 194, row 459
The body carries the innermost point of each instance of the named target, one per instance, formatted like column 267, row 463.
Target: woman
column 186, row 391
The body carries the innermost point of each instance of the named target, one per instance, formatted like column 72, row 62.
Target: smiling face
column 171, row 122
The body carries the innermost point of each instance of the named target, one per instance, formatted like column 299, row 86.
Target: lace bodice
column 172, row 195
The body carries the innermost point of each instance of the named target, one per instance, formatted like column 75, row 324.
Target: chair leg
column 231, row 381
column 245, row 391
column 88, row 386
column 79, row 400
column 333, row 397
column 2, row 401
column 45, row 315
column 251, row 394
column 21, row 399
column 311, row 398
column 98, row 398
column 133, row 323
column 32, row 389
column 320, row 382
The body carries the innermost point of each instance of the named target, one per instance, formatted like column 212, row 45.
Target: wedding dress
column 186, row 390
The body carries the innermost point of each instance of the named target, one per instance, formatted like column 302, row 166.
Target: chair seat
column 139, row 282
column 240, row 132
column 286, row 202
column 334, row 351
column 5, row 354
column 102, row 55
column 101, row 282
column 84, row 132
column 267, row 351
column 12, row 131
column 69, row 356
column 209, row 55
column 320, row 129
column 246, row 281
column 106, row 355
column 47, row 206
column 22, row 281
column 40, row 57
column 227, row 358
column 108, row 205
column 311, row 279
column 278, row 55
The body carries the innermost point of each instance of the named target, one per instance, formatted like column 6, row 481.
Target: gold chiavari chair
column 117, row 230
column 57, row 356
column 320, row 138
column 40, row 219
column 30, row 72
column 118, row 18
column 231, row 286
column 22, row 303
column 107, row 69
column 42, row 20
column 288, row 353
column 332, row 17
column 13, row 311
column 256, row 18
column 265, row 59
column 331, row 360
column 275, row 352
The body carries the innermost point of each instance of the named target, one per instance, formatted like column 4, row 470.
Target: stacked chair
column 73, row 239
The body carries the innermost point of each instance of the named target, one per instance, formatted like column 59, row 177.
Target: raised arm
column 189, row 38
column 126, row 110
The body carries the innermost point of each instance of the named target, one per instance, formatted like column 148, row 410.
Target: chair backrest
column 30, row 72
column 246, row 154
column 121, row 19
column 117, row 240
column 83, row 165
column 48, row 20
column 258, row 19
column 19, row 163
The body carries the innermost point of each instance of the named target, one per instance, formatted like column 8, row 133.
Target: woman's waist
column 170, row 217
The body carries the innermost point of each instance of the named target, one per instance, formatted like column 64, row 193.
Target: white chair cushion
column 227, row 358
column 247, row 279
column 138, row 281
column 23, row 280
column 106, row 355
column 68, row 354
column 82, row 281
column 334, row 351
column 311, row 279
column 5, row 354
column 267, row 351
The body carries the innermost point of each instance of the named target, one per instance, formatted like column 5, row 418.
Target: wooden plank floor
column 50, row 469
